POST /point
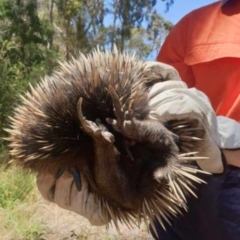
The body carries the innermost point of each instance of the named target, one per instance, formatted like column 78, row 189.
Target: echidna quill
column 92, row 118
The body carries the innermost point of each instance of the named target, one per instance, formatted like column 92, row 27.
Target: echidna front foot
column 96, row 130
column 125, row 121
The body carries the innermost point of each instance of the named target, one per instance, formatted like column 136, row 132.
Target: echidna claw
column 77, row 178
column 125, row 121
column 59, row 173
column 79, row 109
column 117, row 107
column 88, row 127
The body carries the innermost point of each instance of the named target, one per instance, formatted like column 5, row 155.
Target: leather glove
column 64, row 193
column 172, row 100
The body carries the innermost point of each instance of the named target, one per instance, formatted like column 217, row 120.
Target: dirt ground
column 64, row 225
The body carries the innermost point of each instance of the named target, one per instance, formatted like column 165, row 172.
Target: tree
column 84, row 24
column 169, row 3
column 34, row 34
column 24, row 52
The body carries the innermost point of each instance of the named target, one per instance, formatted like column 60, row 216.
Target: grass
column 20, row 223
column 17, row 206
column 15, row 187
column 25, row 216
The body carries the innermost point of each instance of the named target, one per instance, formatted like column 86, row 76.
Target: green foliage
column 17, row 211
column 15, row 187
column 169, row 3
column 84, row 24
column 24, row 52
column 21, row 223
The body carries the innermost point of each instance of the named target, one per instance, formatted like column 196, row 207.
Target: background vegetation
column 34, row 35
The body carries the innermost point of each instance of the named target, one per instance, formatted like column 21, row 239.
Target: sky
column 180, row 8
column 176, row 11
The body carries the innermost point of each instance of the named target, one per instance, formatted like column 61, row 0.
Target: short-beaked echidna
column 92, row 117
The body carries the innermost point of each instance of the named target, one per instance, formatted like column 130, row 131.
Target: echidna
column 92, row 118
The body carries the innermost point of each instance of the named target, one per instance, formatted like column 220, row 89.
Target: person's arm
column 229, row 131
column 174, row 49
column 232, row 157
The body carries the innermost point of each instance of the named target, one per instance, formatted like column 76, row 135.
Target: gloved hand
column 64, row 193
column 172, row 100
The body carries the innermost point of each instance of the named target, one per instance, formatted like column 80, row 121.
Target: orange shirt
column 205, row 49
